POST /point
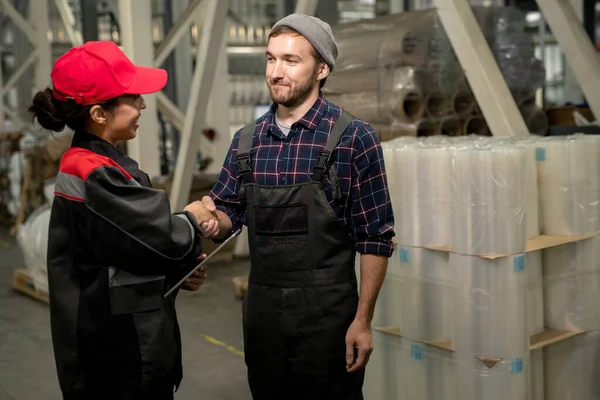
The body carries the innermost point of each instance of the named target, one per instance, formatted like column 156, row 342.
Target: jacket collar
column 101, row 147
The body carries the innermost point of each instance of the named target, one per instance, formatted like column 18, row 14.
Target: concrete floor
column 210, row 322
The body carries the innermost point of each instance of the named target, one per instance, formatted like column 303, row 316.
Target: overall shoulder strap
column 243, row 162
column 324, row 159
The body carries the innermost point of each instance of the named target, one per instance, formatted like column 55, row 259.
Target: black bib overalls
column 302, row 293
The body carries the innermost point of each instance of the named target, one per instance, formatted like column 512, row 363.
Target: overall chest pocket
column 282, row 236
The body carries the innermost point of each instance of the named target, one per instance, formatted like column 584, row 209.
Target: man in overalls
column 309, row 182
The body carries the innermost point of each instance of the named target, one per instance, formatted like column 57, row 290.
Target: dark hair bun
column 48, row 113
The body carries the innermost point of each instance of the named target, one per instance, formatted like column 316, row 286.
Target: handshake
column 206, row 215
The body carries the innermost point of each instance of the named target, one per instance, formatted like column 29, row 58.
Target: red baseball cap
column 99, row 71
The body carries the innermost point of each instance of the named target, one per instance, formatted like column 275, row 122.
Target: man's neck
column 289, row 115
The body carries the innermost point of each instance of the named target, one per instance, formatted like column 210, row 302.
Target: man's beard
column 293, row 97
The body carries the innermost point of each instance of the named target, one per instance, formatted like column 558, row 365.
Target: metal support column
column 579, row 51
column 572, row 89
column 25, row 55
column 38, row 11
column 183, row 66
column 283, row 8
column 308, row 7
column 207, row 55
column 328, row 11
column 397, row 6
column 89, row 20
column 482, row 71
column 217, row 116
column 66, row 15
column 589, row 19
column 135, row 18
column 2, row 106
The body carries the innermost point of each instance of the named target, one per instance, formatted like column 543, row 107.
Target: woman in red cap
column 114, row 246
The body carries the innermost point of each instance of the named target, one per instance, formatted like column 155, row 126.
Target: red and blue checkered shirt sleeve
column 365, row 208
column 371, row 208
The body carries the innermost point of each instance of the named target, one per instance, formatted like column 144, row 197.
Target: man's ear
column 98, row 114
column 323, row 71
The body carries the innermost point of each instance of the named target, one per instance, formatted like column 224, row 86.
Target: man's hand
column 206, row 215
column 358, row 337
column 196, row 280
column 210, row 229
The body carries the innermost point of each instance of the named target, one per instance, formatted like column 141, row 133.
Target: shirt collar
column 310, row 120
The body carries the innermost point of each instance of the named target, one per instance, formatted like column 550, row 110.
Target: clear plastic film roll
column 492, row 379
column 512, row 46
column 488, row 199
column 571, row 282
column 375, row 80
column 387, row 312
column 571, row 368
column 531, row 180
column 384, row 379
column 428, row 372
column 569, row 184
column 423, row 192
column 405, row 105
column 427, row 294
column 393, row 159
column 490, row 312
column 393, row 41
column 377, row 56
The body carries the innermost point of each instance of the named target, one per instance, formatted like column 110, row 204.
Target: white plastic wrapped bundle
column 424, row 189
column 537, row 374
column 535, row 295
column 384, row 373
column 571, row 368
column 592, row 159
column 488, row 199
column 33, row 241
column 571, row 285
column 426, row 295
column 392, row 153
column 532, row 209
column 490, row 312
column 428, row 372
column 387, row 309
column 569, row 179
column 490, row 380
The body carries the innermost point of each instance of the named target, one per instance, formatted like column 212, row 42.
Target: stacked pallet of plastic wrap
column 400, row 73
column 496, row 270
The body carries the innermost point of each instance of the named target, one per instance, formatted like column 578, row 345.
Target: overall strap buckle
column 244, row 167
column 323, row 160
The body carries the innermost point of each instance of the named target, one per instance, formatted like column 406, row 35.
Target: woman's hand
column 196, row 280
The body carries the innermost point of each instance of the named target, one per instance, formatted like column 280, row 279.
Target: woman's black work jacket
column 114, row 249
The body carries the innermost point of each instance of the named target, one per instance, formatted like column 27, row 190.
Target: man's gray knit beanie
column 317, row 32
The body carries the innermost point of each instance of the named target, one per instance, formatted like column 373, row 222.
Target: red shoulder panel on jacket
column 81, row 162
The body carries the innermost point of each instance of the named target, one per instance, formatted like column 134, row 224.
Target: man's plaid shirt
column 365, row 207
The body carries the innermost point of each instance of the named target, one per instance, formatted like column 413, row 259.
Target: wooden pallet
column 23, row 282
column 240, row 286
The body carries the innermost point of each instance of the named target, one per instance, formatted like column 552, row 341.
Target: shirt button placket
column 286, row 146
